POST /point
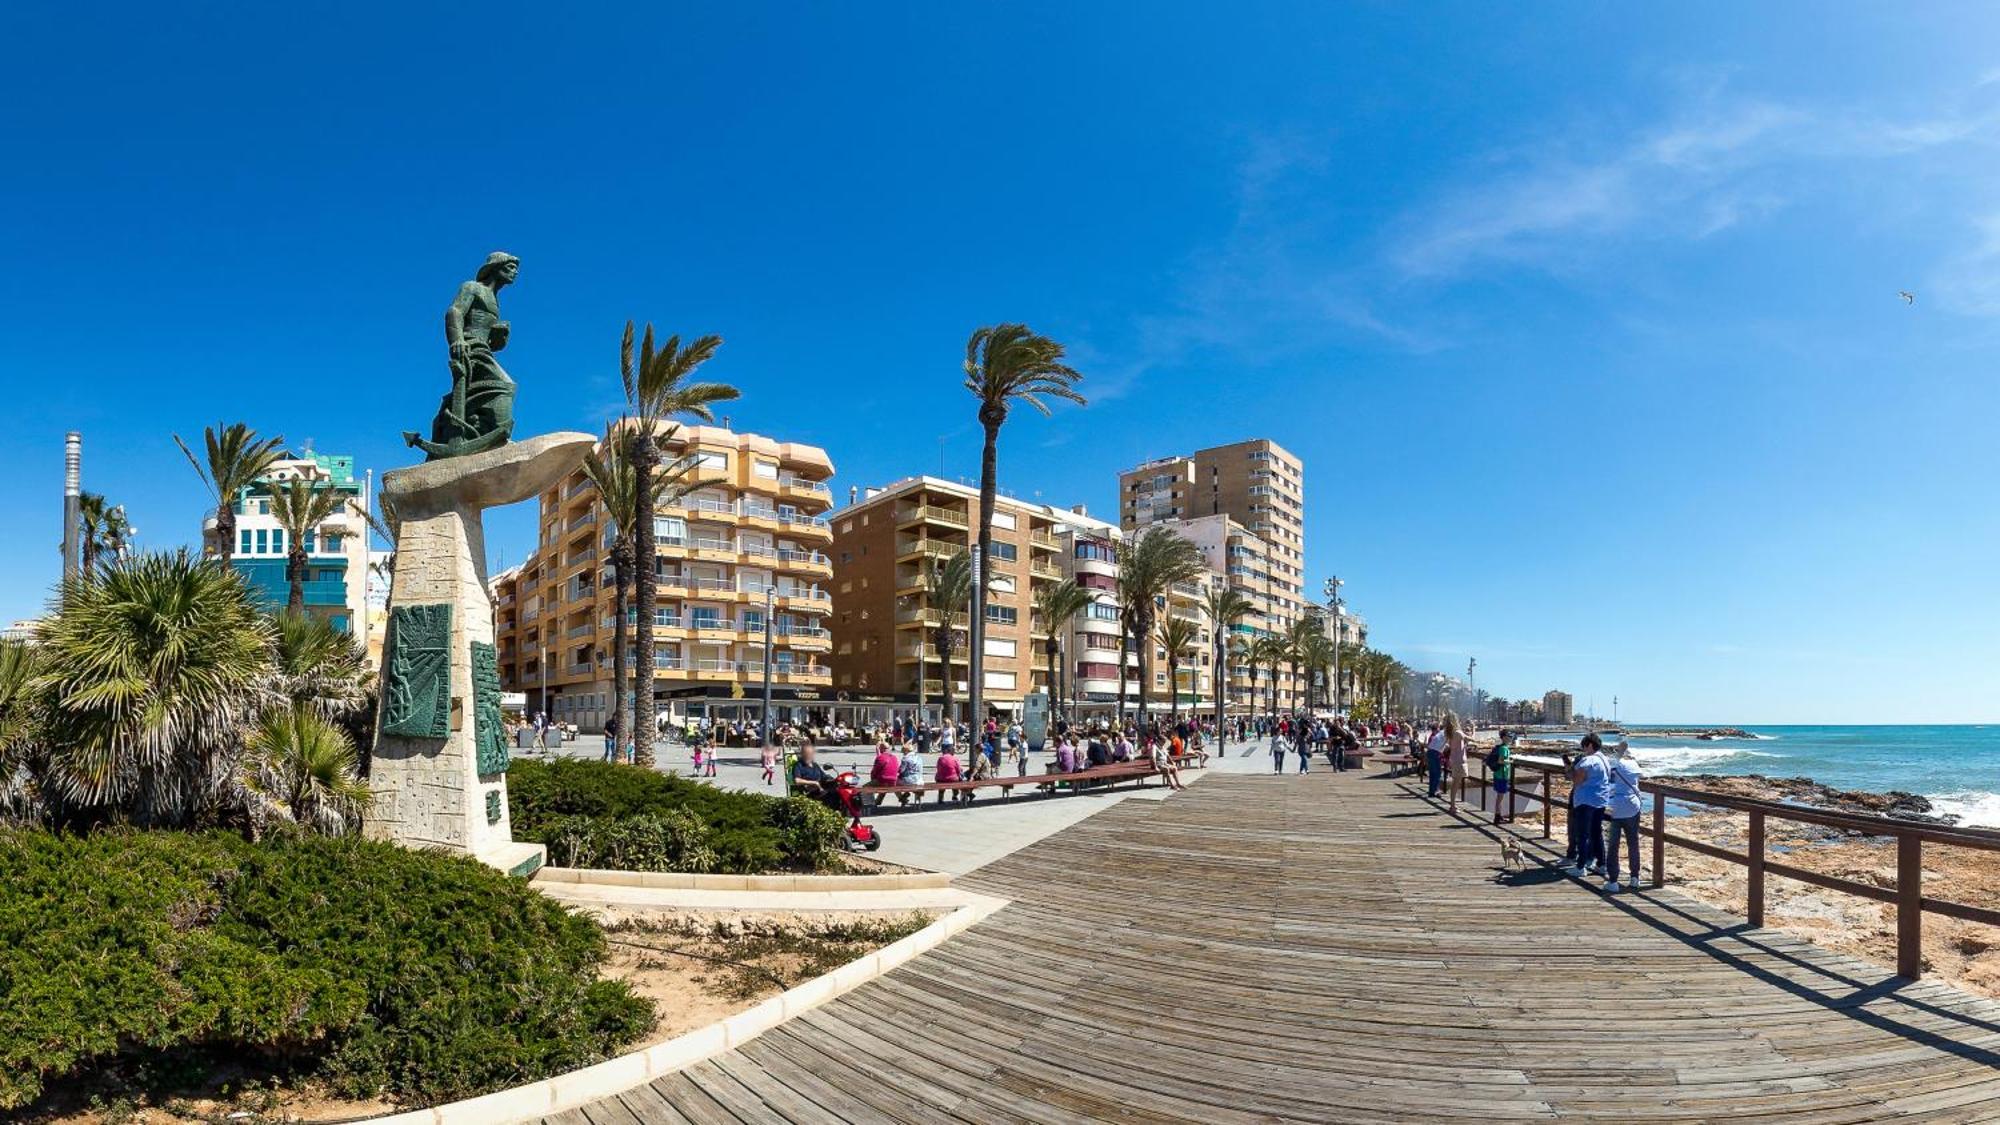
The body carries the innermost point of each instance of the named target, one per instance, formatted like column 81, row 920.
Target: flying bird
column 1908, row 297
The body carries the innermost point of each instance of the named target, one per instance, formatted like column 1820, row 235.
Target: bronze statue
column 478, row 412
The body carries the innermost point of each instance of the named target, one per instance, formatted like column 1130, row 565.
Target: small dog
column 1510, row 854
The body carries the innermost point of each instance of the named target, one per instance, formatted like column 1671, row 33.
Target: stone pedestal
column 439, row 764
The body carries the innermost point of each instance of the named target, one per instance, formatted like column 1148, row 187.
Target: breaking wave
column 1666, row 759
column 1974, row 808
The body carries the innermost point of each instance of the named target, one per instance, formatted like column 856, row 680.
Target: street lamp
column 768, row 588
column 1333, row 606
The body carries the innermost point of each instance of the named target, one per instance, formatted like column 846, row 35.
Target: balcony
column 931, row 548
column 930, row 513
column 712, row 544
column 801, row 519
column 930, row 617
column 1044, row 539
column 752, row 509
column 583, row 669
column 1041, row 569
column 789, row 483
column 579, row 631
column 815, row 560
column 706, row 504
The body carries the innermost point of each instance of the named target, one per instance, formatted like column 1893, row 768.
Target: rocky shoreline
column 1806, row 791
column 1700, row 734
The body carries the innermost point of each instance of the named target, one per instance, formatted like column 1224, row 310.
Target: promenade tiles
column 1331, row 948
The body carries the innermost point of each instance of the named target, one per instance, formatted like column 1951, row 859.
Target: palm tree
column 19, row 724
column 1316, row 651
column 1058, row 603
column 300, row 508
column 150, row 673
column 657, row 389
column 609, row 469
column 103, row 530
column 1177, row 636
column 1271, row 651
column 237, row 457
column 1224, row 607
column 1249, row 656
column 299, row 767
column 1147, row 569
column 1005, row 364
column 949, row 587
column 318, row 667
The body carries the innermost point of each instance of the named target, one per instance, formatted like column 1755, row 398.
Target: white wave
column 1974, row 808
column 1668, row 758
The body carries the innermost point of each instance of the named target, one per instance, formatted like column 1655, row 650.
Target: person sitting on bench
column 947, row 771
column 810, row 779
column 1100, row 754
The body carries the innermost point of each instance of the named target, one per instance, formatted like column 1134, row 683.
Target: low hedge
column 578, row 808
column 383, row 970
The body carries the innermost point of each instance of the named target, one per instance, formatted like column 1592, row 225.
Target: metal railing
column 935, row 514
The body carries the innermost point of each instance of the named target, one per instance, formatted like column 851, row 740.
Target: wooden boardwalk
column 1332, row 948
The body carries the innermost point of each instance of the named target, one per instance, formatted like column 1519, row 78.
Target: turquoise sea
column 1957, row 767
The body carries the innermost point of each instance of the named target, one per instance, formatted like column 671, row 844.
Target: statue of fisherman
column 478, row 412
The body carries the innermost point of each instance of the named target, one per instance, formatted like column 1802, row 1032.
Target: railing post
column 1659, row 840
column 1909, row 905
column 1756, row 868
column 1548, row 799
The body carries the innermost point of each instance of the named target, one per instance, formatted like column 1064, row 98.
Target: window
column 1004, row 519
column 1006, row 552
column 1000, row 584
column 310, row 538
column 753, row 620
column 1095, row 551
column 1002, row 614
column 1001, row 680
column 330, row 543
column 670, row 530
column 263, row 541
column 765, row 470
column 996, row 646
column 243, row 541
column 709, row 460
column 1102, row 611
column 705, row 616
column 278, row 540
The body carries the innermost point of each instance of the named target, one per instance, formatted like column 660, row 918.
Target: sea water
column 1957, row 767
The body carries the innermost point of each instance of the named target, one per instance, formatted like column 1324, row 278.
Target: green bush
column 385, row 970
column 674, row 840
column 748, row 832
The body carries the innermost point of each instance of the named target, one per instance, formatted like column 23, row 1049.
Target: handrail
column 1906, row 895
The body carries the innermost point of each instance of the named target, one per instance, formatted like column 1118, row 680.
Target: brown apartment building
column 1244, row 505
column 756, row 525
column 883, row 547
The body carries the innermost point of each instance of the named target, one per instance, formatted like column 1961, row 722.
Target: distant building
column 1244, row 505
column 336, row 585
column 1558, row 708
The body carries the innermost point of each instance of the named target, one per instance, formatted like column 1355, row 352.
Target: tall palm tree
column 609, row 469
column 298, row 766
column 1224, row 607
column 1005, row 364
column 1058, row 603
column 949, row 587
column 1315, row 655
column 237, row 457
column 1148, row 568
column 300, row 507
column 1249, row 657
column 150, row 672
column 1177, row 636
column 657, row 388
column 1271, row 651
column 102, row 529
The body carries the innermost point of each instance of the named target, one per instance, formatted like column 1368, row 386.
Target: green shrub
column 748, row 832
column 385, row 970
column 808, row 832
column 674, row 840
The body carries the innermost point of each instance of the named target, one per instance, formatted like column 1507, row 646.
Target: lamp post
column 1333, row 585
column 768, row 588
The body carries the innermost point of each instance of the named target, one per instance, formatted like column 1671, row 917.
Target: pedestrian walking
column 1621, row 813
column 611, row 739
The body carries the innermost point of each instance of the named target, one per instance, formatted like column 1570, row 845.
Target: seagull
column 1908, row 297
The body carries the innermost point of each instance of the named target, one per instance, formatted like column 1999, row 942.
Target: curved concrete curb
column 663, row 880
column 578, row 1087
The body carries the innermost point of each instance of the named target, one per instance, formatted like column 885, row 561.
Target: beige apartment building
column 1244, row 505
column 1091, row 649
column 751, row 539
column 882, row 551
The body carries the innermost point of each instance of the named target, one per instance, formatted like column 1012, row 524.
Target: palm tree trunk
column 1054, row 697
column 944, row 647
column 295, row 578
column 1124, row 669
column 225, row 532
column 621, row 597
column 1221, row 689
column 1144, row 629
column 646, row 551
column 989, row 486
column 1173, row 690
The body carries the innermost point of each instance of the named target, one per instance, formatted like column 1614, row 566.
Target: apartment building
column 883, row 547
column 336, row 585
column 749, row 540
column 1558, row 708
column 1240, row 558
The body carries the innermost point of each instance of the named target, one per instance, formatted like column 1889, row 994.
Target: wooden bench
column 1111, row 774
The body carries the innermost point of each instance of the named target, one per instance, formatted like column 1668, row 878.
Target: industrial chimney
column 72, row 501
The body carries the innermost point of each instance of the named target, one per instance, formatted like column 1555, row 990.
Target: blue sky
column 1584, row 318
